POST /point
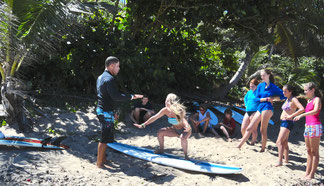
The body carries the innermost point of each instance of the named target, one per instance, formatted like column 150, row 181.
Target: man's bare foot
column 279, row 164
column 262, row 150
column 229, row 140
column 100, row 166
column 158, row 151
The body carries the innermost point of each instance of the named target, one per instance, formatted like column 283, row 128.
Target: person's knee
column 137, row 110
column 314, row 153
column 249, row 129
column 160, row 133
column 279, row 142
column 263, row 130
column 309, row 151
column 148, row 114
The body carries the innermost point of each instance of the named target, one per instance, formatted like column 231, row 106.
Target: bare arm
column 206, row 118
column 193, row 117
column 299, row 111
column 317, row 108
column 161, row 113
column 132, row 116
column 148, row 110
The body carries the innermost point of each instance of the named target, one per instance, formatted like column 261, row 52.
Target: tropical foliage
column 190, row 47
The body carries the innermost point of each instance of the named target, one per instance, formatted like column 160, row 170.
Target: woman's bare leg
column 245, row 123
column 252, row 126
column 168, row 131
column 265, row 118
column 184, row 142
column 314, row 143
column 282, row 137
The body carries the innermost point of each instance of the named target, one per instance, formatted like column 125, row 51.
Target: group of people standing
column 259, row 109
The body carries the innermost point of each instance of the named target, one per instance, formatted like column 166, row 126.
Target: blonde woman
column 176, row 116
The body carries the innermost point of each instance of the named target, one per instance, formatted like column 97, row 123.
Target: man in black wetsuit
column 108, row 94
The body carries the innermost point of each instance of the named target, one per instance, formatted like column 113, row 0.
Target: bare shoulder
column 165, row 110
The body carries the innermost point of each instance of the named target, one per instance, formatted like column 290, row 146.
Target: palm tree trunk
column 14, row 107
column 237, row 76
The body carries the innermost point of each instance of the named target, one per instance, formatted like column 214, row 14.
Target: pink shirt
column 312, row 119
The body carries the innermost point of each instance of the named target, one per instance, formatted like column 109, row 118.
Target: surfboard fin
column 57, row 141
column 45, row 141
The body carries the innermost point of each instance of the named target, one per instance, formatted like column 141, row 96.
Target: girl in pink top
column 313, row 128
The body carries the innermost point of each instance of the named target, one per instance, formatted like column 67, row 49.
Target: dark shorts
column 141, row 116
column 220, row 131
column 249, row 113
column 289, row 124
column 106, row 120
column 265, row 106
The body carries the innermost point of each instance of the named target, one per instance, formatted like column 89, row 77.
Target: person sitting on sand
column 143, row 111
column 227, row 127
column 176, row 116
column 289, row 111
column 202, row 121
column 313, row 128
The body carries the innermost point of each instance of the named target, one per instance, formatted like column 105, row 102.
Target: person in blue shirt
column 251, row 103
column 108, row 94
column 266, row 93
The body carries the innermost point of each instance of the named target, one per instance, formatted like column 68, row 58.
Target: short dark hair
column 111, row 60
column 204, row 106
column 145, row 96
column 228, row 111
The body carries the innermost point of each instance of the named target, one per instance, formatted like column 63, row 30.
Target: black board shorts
column 106, row 120
column 249, row 113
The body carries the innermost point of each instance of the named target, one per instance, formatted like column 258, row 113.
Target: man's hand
column 196, row 122
column 137, row 96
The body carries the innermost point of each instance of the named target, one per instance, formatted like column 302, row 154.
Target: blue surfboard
column 243, row 109
column 173, row 161
column 33, row 142
column 235, row 115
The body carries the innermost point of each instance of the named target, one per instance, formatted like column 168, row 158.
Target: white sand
column 76, row 166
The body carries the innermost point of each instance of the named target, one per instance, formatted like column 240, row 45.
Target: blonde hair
column 172, row 98
column 177, row 108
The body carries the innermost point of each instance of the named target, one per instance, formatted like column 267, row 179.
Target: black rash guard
column 108, row 93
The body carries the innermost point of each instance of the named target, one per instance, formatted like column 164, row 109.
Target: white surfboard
column 173, row 161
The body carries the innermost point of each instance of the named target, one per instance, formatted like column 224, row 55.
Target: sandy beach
column 76, row 166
